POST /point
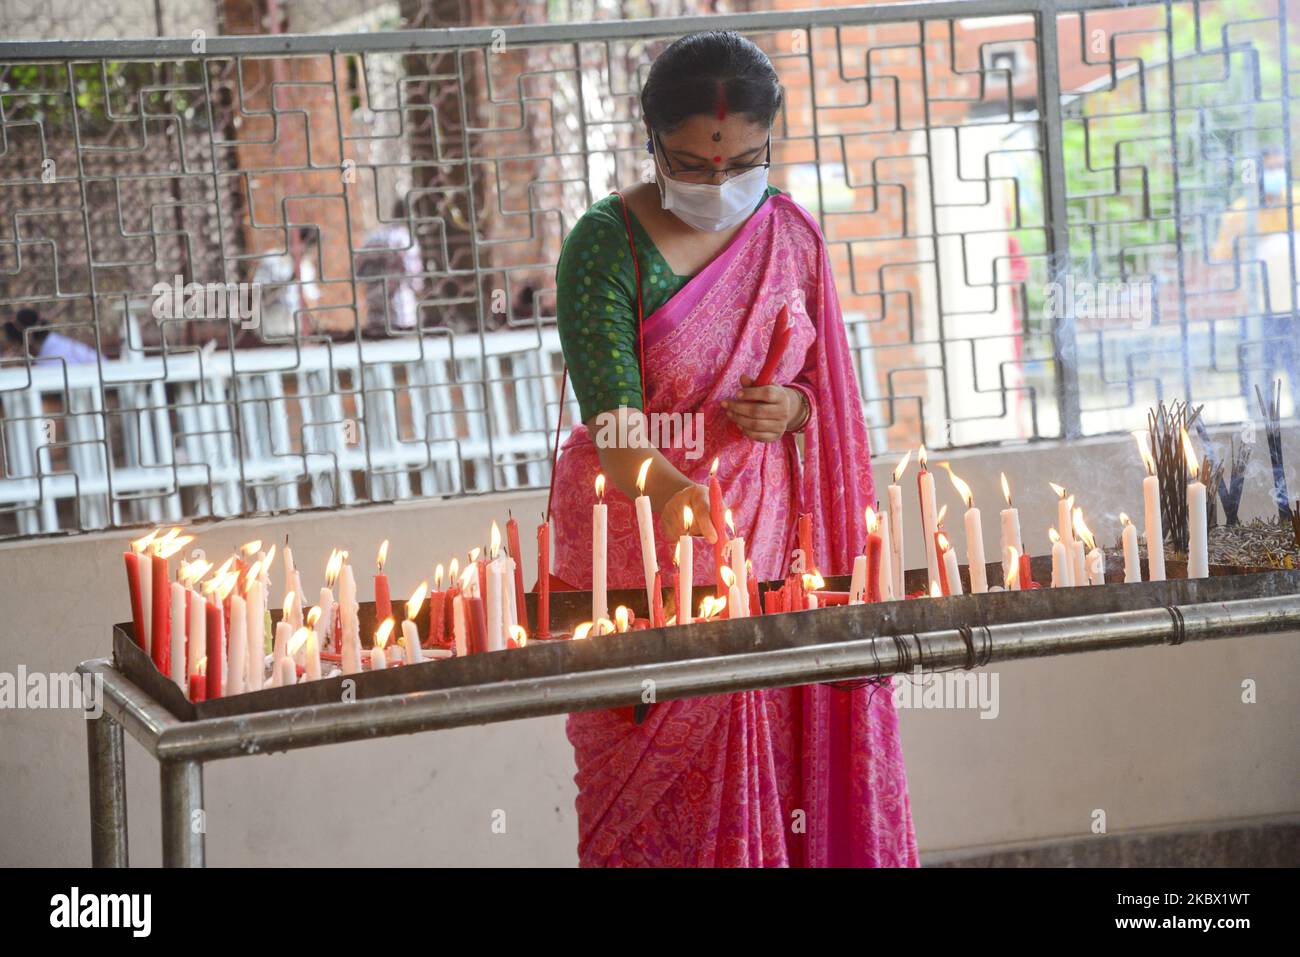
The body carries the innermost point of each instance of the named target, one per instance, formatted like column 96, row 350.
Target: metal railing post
column 183, row 823
column 107, row 756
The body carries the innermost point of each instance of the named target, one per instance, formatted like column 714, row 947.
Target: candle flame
column 1193, row 466
column 437, row 577
column 494, row 541
column 250, row 548
column 1124, row 519
column 938, row 519
column 166, row 549
column 270, row 557
column 1013, row 568
column 641, row 475
column 296, row 642
column 192, row 572
column 469, row 580
column 901, row 467
column 677, row 552
column 253, row 574
column 224, row 568
column 313, row 616
column 688, row 518
column 605, row 627
column 813, row 581
column 713, row 469
column 600, row 487
column 473, row 554
column 201, row 667
column 226, row 585
column 383, row 555
column 962, row 488
column 935, row 590
column 622, row 618
column 728, row 576
column 453, row 570
column 416, row 600
column 140, row 545
column 288, row 603
column 1053, row 535
column 922, row 456
column 1060, row 492
column 1081, row 529
column 583, row 630
column 872, row 522
column 726, row 520
column 711, row 606
column 333, row 567
column 1143, row 439
column 944, row 544
column 1006, row 488
column 519, row 635
column 385, row 629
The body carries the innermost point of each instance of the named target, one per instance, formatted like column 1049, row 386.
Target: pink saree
column 808, row 776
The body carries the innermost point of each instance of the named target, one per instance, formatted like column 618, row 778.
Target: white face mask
column 709, row 207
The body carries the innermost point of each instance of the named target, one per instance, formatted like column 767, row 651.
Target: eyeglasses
column 705, row 174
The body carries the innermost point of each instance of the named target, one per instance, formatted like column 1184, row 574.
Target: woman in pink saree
column 807, row 776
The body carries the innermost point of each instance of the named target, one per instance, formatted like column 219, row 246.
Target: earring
column 649, row 145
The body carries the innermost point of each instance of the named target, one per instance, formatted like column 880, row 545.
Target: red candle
column 216, row 644
column 1026, row 572
column 383, row 597
column 512, row 542
column 657, row 612
column 806, row 542
column 755, row 607
column 874, row 545
column 825, row 598
column 717, row 515
column 137, row 603
column 449, row 623
column 477, row 625
column 943, row 570
column 772, row 602
column 543, row 586
column 781, row 334
column 198, row 686
column 437, row 619
column 161, row 616
column 481, row 565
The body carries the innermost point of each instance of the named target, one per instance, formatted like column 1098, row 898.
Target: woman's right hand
column 671, row 518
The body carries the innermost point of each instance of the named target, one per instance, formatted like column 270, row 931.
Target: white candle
column 686, row 568
column 496, row 629
column 896, row 527
column 974, row 536
column 350, row 644
column 1096, row 565
column 284, row 673
column 886, row 571
column 1064, row 517
column 645, row 525
column 411, row 642
column 178, row 662
column 254, row 655
column 1155, row 533
column 1198, row 530
column 599, row 521
column 1061, row 561
column 280, row 653
column 1010, row 524
column 237, row 643
column 736, row 550
column 311, row 654
column 952, row 571
column 1132, row 563
column 378, row 658
column 459, row 628
column 925, row 481
column 858, row 583
column 1078, row 563
column 325, row 626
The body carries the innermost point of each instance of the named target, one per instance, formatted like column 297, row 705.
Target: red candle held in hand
column 132, row 561
column 215, row 647
column 383, row 597
column 781, row 333
column 806, row 542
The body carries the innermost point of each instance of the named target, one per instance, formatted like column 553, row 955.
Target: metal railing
column 961, row 157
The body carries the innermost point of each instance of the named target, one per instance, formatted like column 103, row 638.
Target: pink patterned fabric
column 804, row 776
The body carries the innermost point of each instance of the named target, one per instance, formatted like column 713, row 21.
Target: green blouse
column 595, row 285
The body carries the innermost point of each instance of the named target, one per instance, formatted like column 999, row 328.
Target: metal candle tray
column 716, row 639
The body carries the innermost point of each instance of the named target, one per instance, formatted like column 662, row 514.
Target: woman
column 807, row 776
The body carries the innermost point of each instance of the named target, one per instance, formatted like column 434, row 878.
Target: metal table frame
column 183, row 747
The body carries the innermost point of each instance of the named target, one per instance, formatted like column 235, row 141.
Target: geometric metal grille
column 1040, row 214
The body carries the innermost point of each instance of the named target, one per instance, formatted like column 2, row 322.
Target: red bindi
column 717, row 159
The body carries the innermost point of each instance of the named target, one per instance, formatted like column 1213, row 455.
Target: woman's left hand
column 764, row 412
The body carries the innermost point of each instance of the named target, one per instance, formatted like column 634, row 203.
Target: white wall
column 1155, row 737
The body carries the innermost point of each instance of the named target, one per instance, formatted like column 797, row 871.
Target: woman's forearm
column 621, row 464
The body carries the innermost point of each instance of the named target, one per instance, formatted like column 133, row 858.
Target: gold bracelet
column 806, row 408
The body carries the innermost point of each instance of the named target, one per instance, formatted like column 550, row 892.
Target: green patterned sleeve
column 596, row 312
